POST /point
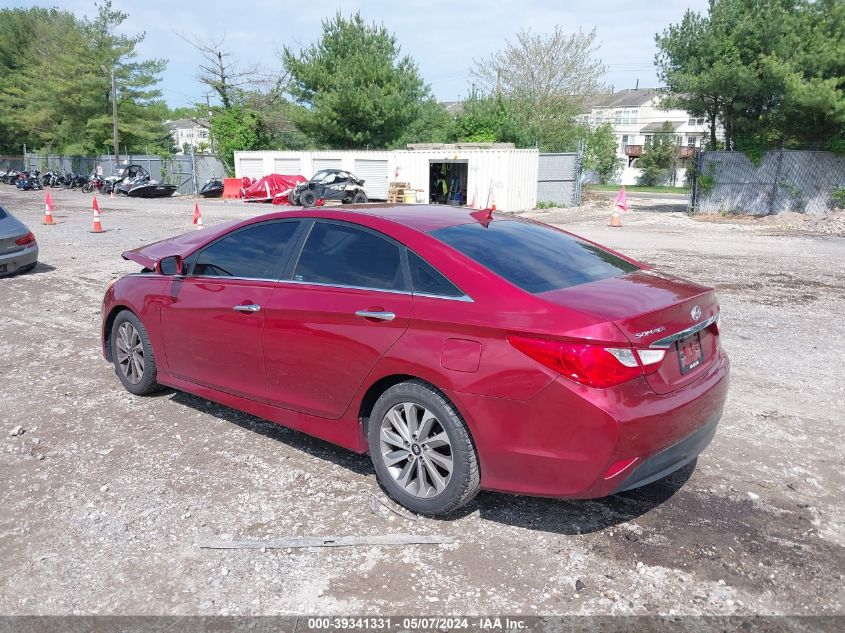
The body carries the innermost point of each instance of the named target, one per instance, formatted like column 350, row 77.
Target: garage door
column 287, row 166
column 251, row 167
column 375, row 176
column 326, row 163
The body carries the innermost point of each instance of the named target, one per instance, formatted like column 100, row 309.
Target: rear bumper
column 672, row 458
column 576, row 442
column 13, row 262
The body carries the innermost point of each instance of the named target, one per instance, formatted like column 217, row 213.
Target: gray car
column 18, row 248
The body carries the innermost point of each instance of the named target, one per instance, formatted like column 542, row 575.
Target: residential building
column 190, row 132
column 637, row 115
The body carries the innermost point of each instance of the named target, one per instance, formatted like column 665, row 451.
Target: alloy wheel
column 416, row 450
column 130, row 353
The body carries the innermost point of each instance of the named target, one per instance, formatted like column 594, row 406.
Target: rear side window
column 428, row 280
column 345, row 256
column 3, row 213
column 257, row 252
column 534, row 257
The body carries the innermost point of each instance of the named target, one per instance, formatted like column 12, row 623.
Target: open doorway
column 447, row 182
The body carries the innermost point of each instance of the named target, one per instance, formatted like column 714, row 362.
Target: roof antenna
column 637, row 87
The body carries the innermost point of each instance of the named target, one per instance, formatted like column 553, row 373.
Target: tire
column 87, row 187
column 406, row 469
column 123, row 335
column 359, row 198
column 307, row 199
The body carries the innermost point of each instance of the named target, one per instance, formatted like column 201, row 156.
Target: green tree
column 600, row 153
column 433, row 124
column 659, row 157
column 236, row 128
column 57, row 90
column 354, row 88
column 770, row 73
column 543, row 81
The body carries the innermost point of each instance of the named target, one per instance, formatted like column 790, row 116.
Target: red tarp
column 270, row 187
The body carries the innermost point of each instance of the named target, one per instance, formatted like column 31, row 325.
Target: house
column 636, row 115
column 190, row 132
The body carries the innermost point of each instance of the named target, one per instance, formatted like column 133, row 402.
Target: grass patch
column 639, row 188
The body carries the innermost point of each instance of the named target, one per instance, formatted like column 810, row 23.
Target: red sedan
column 461, row 351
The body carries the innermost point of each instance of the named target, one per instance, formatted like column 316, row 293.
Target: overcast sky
column 443, row 37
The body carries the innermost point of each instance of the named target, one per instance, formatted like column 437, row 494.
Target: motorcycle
column 10, row 176
column 52, row 179
column 72, row 181
column 95, row 183
column 29, row 181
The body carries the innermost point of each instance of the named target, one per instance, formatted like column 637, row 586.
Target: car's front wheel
column 132, row 355
column 421, row 449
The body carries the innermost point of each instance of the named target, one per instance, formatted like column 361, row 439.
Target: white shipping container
column 506, row 177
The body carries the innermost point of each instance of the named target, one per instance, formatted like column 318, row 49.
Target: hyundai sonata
column 461, row 350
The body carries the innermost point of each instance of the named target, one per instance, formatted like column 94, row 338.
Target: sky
column 442, row 37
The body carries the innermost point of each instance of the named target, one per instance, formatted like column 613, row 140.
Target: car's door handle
column 247, row 308
column 379, row 316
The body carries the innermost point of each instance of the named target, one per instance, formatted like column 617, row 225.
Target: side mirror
column 172, row 265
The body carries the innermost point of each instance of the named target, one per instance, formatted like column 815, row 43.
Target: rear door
column 345, row 303
column 213, row 327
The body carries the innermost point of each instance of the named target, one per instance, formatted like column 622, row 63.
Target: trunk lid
column 182, row 245
column 654, row 309
column 11, row 229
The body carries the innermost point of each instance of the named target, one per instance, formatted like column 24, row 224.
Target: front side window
column 534, row 257
column 257, row 252
column 342, row 255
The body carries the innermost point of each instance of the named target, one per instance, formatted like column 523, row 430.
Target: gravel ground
column 106, row 497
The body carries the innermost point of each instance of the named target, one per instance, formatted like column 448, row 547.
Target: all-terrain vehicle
column 330, row 184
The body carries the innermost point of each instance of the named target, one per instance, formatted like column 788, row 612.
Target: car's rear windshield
column 535, row 257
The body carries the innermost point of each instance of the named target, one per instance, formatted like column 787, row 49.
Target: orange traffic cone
column 111, row 194
column 48, row 210
column 614, row 220
column 197, row 216
column 98, row 227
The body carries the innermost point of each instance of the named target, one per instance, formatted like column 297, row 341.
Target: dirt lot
column 106, row 497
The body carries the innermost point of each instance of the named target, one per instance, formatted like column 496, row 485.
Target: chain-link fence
column 188, row 172
column 785, row 180
column 559, row 179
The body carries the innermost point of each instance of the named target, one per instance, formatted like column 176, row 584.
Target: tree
column 600, row 153
column 353, row 87
column 224, row 76
column 55, row 88
column 771, row 73
column 433, row 124
column 659, row 156
column 483, row 119
column 537, row 67
column 235, row 128
column 543, row 79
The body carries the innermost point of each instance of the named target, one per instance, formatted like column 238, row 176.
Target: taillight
column 590, row 365
column 29, row 238
column 714, row 327
column 651, row 359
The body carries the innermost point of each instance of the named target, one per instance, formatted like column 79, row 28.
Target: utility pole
column 115, row 140
column 210, row 137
